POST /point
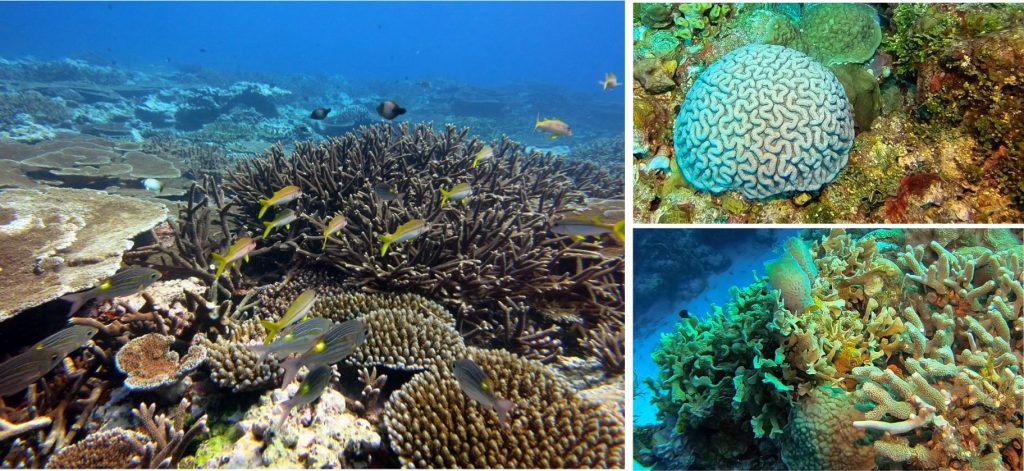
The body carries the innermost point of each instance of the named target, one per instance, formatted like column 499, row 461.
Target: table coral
column 150, row 363
column 764, row 120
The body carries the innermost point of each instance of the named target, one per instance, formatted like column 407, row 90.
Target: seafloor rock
column 314, row 436
column 190, row 109
column 58, row 240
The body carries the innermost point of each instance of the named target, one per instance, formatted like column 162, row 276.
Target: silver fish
column 123, row 283
column 310, row 389
column 300, row 338
column 68, row 340
column 334, row 346
column 475, row 383
column 21, row 371
column 385, row 193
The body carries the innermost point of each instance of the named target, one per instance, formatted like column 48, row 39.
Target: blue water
column 747, row 251
column 570, row 44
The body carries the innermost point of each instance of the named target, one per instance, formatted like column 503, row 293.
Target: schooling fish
column 337, row 223
column 389, row 109
column 334, row 346
column 554, row 126
column 300, row 338
column 319, row 113
column 239, row 250
column 68, row 339
column 310, row 389
column 385, row 193
column 125, row 282
column 579, row 228
column 284, row 218
column 24, row 369
column 407, row 231
column 299, row 308
column 475, row 383
column 458, row 193
column 152, row 184
column 283, row 196
column 484, row 154
column 610, row 81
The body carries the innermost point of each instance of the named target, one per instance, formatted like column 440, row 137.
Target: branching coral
column 474, row 254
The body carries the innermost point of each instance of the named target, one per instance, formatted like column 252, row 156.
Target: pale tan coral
column 233, row 365
column 431, row 422
column 150, row 363
column 406, row 339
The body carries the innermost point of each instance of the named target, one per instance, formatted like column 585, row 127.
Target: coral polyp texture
column 432, row 424
column 911, row 355
column 764, row 120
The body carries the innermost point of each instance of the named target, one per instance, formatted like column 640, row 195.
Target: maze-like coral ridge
column 764, row 120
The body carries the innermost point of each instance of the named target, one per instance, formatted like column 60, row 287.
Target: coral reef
column 60, row 240
column 841, row 33
column 795, row 135
column 923, row 343
column 191, row 109
column 432, row 423
column 233, row 365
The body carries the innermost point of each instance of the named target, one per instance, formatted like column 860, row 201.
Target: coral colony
column 891, row 348
column 822, row 113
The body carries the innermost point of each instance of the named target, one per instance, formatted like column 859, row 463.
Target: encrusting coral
column 916, row 353
column 432, row 423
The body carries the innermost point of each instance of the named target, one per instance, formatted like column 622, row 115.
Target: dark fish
column 202, row 49
column 475, row 383
column 334, row 346
column 310, row 389
column 67, row 340
column 389, row 109
column 300, row 338
column 123, row 283
column 385, row 192
column 683, row 313
column 21, row 371
column 319, row 113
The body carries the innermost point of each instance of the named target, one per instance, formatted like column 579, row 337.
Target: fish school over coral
column 206, row 266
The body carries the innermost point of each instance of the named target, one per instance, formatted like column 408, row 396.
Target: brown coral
column 406, row 339
column 233, row 365
column 114, row 448
column 150, row 363
column 433, row 423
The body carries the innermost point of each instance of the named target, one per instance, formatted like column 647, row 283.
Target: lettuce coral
column 907, row 357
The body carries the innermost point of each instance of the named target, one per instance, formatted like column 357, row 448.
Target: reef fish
column 553, row 126
column 332, row 347
column 310, row 389
column 610, row 81
column 389, row 109
column 407, row 231
column 298, row 339
column 24, row 369
column 336, row 224
column 579, row 228
column 475, row 383
column 319, row 113
column 299, row 308
column 458, row 193
column 152, row 184
column 239, row 250
column 68, row 339
column 484, row 154
column 125, row 282
column 283, row 196
column 385, row 193
column 284, row 218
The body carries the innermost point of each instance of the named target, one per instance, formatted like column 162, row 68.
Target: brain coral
column 764, row 120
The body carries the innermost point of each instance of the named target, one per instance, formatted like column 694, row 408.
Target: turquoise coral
column 764, row 120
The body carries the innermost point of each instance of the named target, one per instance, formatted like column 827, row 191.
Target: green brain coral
column 841, row 33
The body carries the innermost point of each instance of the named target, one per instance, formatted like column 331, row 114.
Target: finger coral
column 432, row 423
column 233, row 365
column 764, row 120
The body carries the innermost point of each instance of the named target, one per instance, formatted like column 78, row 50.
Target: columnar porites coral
column 918, row 351
column 764, row 120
